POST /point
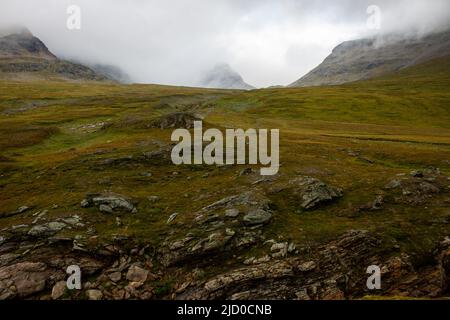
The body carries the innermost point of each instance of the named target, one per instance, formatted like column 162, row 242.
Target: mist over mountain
column 368, row 58
column 24, row 56
column 269, row 42
column 222, row 76
column 111, row 72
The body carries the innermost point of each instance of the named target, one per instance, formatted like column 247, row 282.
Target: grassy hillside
column 59, row 141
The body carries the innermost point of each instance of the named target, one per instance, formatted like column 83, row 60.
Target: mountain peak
column 24, row 56
column 20, row 42
column 222, row 76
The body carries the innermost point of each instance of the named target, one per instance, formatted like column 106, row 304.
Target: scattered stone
column 279, row 250
column 278, row 246
column 39, row 216
column 137, row 274
column 74, row 221
column 256, row 217
column 314, row 192
column 19, row 210
column 109, row 203
column 7, row 258
column 22, row 209
column 105, row 208
column 85, row 203
column 58, row 290
column 246, row 172
column 302, row 295
column 264, row 259
column 22, row 279
column 247, row 239
column 378, row 203
column 175, row 120
column 393, row 184
column 307, row 266
column 375, row 205
column 153, row 199
column 94, row 294
column 251, row 199
column 46, row 229
column 291, row 248
column 172, row 217
column 115, row 276
column 147, row 174
column 416, row 174
column 222, row 202
column 231, row 213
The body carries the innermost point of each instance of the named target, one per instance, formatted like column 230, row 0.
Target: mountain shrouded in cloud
column 222, row 76
column 368, row 58
column 20, row 42
column 176, row 41
column 24, row 56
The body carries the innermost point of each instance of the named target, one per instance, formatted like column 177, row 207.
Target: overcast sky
column 268, row 42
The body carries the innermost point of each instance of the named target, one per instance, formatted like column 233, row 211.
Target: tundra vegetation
column 86, row 178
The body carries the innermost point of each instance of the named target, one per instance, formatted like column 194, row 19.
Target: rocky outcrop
column 308, row 192
column 257, row 217
column 109, row 203
column 444, row 264
column 219, row 229
column 176, row 120
column 23, row 279
column 333, row 273
column 416, row 188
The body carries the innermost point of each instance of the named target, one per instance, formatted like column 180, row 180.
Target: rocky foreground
column 224, row 235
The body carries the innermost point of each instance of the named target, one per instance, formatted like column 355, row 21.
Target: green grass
column 400, row 122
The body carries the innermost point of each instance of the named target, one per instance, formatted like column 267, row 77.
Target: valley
column 86, row 178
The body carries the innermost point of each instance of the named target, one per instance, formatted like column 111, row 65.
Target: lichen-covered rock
column 109, row 203
column 58, row 290
column 94, row 294
column 194, row 248
column 23, row 279
column 47, row 229
column 257, row 216
column 313, row 192
column 320, row 278
column 137, row 274
column 176, row 120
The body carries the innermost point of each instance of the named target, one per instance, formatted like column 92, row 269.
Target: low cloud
column 175, row 42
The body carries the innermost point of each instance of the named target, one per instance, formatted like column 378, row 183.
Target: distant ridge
column 222, row 76
column 25, row 57
column 369, row 58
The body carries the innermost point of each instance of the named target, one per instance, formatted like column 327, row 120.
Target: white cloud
column 174, row 41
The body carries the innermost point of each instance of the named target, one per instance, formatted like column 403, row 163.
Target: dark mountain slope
column 368, row 58
column 25, row 57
